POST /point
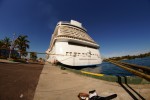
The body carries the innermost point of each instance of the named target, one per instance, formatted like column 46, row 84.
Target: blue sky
column 120, row 27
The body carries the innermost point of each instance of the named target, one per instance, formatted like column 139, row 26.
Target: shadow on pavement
column 129, row 89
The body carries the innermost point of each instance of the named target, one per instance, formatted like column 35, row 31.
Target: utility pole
column 12, row 45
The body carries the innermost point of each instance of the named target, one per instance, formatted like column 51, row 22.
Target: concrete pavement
column 7, row 61
column 57, row 84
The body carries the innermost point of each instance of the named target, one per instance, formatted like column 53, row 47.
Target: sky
column 120, row 27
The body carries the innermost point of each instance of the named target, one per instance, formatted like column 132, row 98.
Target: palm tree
column 5, row 47
column 21, row 43
column 1, row 44
column 6, row 43
column 33, row 56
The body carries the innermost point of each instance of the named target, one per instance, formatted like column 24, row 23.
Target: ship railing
column 67, row 22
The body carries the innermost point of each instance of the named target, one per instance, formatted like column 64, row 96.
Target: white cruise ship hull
column 71, row 45
column 74, row 55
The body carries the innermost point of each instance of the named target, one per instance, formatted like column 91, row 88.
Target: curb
column 111, row 78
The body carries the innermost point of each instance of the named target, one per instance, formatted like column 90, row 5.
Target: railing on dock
column 141, row 71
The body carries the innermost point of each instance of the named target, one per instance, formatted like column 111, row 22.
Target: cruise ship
column 71, row 45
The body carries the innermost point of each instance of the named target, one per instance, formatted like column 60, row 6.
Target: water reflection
column 108, row 69
column 140, row 61
column 111, row 69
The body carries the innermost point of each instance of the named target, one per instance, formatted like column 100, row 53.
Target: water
column 110, row 69
column 140, row 61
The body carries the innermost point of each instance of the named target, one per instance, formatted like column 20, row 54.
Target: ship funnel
column 76, row 23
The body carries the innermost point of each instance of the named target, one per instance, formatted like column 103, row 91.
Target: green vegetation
column 33, row 56
column 131, row 57
column 5, row 47
column 21, row 43
column 14, row 49
column 5, row 43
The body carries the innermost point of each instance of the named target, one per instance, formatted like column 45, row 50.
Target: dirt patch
column 18, row 81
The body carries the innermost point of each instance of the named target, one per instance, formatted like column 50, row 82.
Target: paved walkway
column 57, row 84
column 7, row 61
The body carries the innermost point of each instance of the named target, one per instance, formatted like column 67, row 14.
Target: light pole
column 12, row 45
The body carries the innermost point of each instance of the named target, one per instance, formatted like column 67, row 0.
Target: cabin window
column 66, row 53
column 70, row 53
column 78, row 54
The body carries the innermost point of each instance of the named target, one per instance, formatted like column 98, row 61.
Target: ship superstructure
column 71, row 45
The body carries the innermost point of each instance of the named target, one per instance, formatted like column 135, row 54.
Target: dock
column 141, row 71
column 57, row 84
